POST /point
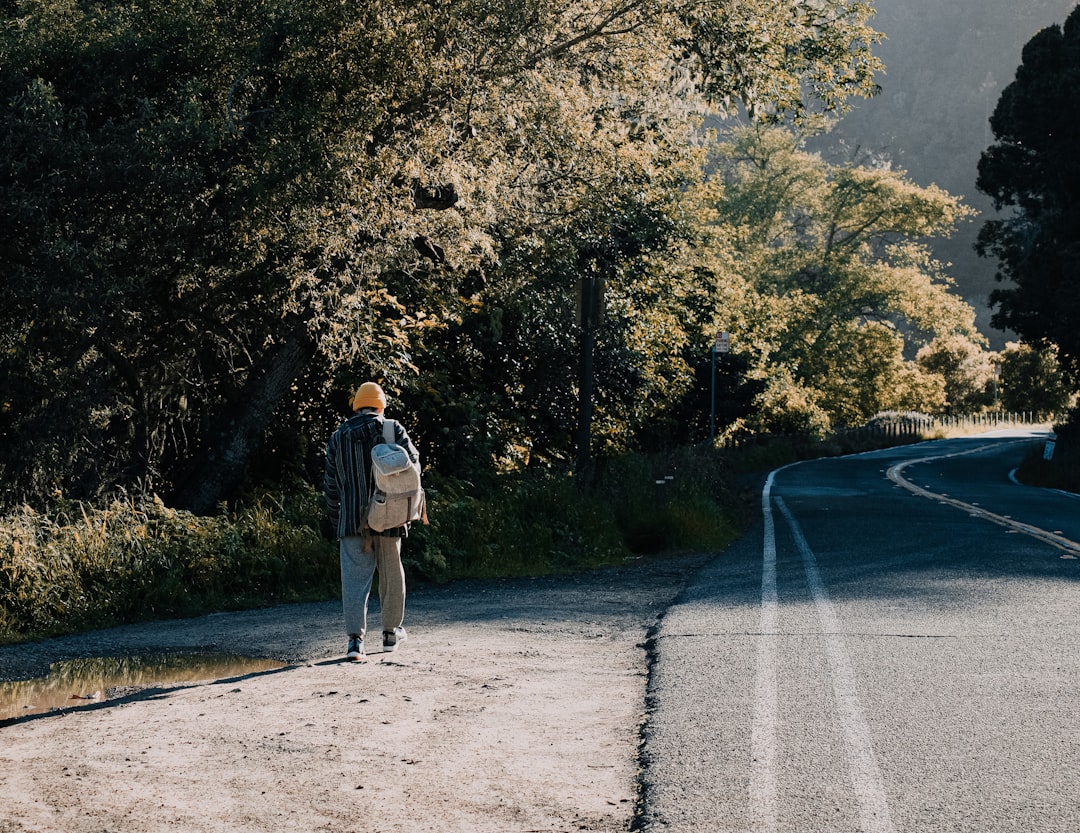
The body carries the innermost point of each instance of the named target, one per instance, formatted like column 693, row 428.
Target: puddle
column 77, row 682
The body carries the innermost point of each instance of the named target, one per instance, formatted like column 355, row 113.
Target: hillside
column 946, row 65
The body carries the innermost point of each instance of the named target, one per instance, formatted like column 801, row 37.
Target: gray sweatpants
column 360, row 557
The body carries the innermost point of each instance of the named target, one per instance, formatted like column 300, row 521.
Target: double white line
column 865, row 775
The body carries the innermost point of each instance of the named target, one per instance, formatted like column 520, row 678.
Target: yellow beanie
column 369, row 395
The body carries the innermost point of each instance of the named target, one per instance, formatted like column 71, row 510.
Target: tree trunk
column 221, row 467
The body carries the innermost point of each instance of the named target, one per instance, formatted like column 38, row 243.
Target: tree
column 967, row 369
column 220, row 212
column 1033, row 170
column 1032, row 380
column 823, row 279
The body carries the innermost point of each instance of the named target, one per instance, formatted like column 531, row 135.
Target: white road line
column 866, row 778
column 763, row 745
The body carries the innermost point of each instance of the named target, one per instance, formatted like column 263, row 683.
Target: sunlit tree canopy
column 219, row 215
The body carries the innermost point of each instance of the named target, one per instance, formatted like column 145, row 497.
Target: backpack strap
column 388, row 438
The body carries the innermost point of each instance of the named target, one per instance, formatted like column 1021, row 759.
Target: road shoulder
column 515, row 705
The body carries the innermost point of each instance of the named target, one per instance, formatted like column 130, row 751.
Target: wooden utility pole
column 590, row 314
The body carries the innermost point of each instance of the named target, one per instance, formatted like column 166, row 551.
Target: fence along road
column 892, row 650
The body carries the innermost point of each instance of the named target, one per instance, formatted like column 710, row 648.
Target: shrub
column 527, row 523
column 1062, row 471
column 679, row 500
column 81, row 567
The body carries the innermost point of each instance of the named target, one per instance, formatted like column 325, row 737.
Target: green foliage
column 1032, row 169
column 966, row 369
column 529, row 524
column 223, row 214
column 136, row 559
column 818, row 272
column 681, row 499
column 1032, row 379
column 532, row 523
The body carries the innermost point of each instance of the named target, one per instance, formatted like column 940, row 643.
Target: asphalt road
column 894, row 649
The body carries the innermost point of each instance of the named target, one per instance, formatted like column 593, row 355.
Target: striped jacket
column 347, row 483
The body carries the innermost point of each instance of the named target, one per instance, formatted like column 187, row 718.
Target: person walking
column 349, row 487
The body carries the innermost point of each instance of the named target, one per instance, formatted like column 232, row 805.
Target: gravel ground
column 515, row 705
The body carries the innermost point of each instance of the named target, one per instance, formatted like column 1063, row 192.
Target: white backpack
column 398, row 498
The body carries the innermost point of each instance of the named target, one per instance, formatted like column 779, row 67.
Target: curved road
column 895, row 650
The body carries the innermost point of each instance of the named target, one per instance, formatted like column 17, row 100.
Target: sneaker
column 356, row 648
column 391, row 639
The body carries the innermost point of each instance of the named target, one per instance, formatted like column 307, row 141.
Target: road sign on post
column 723, row 343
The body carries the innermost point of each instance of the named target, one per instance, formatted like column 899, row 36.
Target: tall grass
column 679, row 500
column 534, row 523
column 528, row 524
column 80, row 567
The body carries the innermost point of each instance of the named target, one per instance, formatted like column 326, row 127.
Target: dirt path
column 515, row 706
